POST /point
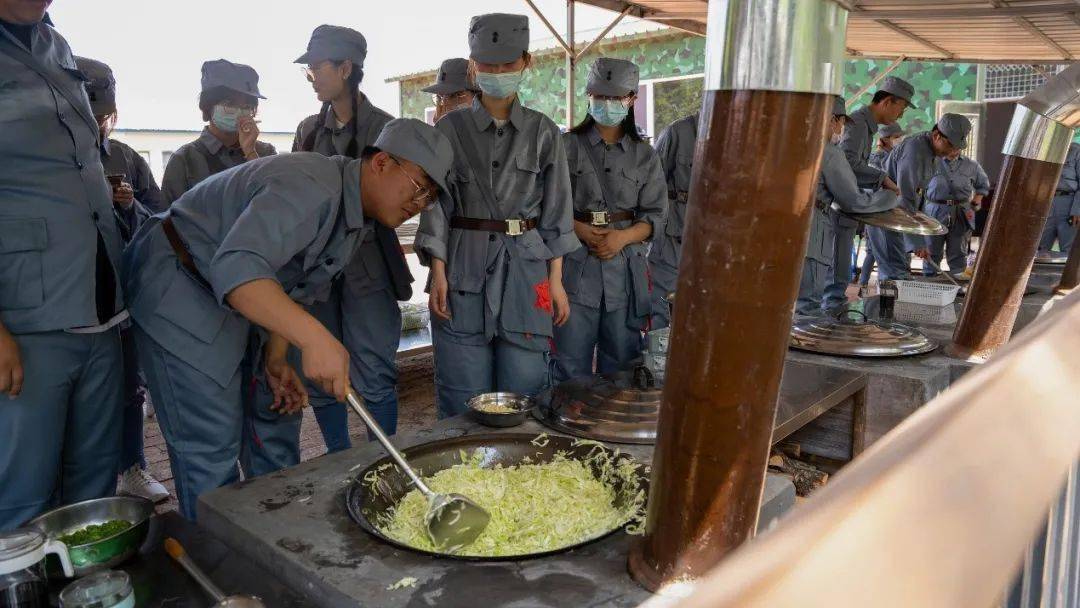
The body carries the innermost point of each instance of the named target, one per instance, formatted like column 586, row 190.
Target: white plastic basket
column 931, row 294
column 921, row 314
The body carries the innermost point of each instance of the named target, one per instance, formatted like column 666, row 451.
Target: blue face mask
column 499, row 85
column 225, row 117
column 608, row 112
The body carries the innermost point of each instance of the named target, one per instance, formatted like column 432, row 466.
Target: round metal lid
column 623, row 407
column 1051, row 257
column 20, row 548
column 899, row 219
column 858, row 337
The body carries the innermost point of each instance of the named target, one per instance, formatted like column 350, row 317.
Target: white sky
column 156, row 47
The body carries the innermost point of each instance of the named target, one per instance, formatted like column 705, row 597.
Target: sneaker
column 137, row 482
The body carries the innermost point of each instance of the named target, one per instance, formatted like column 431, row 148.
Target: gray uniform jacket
column 911, row 165
column 858, row 142
column 955, row 180
column 633, row 175
column 1067, row 195
column 55, row 200
column 118, row 158
column 294, row 219
column 878, row 158
column 368, row 272
column 524, row 163
column 189, row 165
column 675, row 148
column 836, row 184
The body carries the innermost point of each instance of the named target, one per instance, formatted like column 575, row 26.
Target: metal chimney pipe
column 772, row 67
column 1035, row 149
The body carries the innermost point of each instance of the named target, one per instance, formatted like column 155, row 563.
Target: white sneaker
column 137, row 482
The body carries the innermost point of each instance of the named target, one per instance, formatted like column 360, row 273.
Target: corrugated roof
column 984, row 31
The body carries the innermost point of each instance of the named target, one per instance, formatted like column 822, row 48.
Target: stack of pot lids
column 1051, row 257
column 900, row 219
column 622, row 407
column 849, row 337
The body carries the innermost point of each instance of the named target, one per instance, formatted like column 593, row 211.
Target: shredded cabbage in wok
column 534, row 507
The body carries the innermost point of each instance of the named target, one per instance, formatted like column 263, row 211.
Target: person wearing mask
column 675, row 148
column 228, row 102
column 361, row 310
column 496, row 249
column 836, row 186
column 620, row 199
column 1064, row 215
column 453, row 87
column 887, row 106
column 124, row 168
column 953, row 196
column 60, row 299
column 889, row 136
column 247, row 247
column 912, row 165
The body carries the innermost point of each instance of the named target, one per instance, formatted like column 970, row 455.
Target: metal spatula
column 452, row 520
column 963, row 290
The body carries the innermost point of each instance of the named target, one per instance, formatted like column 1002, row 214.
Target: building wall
column 670, row 55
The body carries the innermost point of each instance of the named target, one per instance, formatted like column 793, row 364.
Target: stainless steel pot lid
column 858, row 337
column 899, row 219
column 623, row 407
column 1051, row 257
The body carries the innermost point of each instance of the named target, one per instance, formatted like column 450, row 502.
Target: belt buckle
column 515, row 227
column 599, row 218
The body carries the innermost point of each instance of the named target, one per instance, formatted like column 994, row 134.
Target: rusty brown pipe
column 1035, row 149
column 746, row 229
column 1070, row 275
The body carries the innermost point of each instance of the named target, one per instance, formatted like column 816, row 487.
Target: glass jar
column 23, row 583
column 109, row 589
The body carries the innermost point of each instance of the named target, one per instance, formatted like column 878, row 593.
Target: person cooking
column 60, row 299
column 836, row 185
column 361, row 310
column 125, row 166
column 496, row 247
column 912, row 166
column 888, row 137
column 246, row 247
column 453, row 88
column 228, row 102
column 675, row 147
column 953, row 196
column 620, row 199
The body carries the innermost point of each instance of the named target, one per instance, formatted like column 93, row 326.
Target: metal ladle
column 452, row 520
column 176, row 551
column 948, row 276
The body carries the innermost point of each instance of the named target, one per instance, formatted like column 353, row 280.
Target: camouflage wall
column 667, row 54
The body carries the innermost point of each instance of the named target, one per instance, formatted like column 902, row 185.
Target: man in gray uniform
column 675, row 147
column 60, row 298
column 1064, row 216
column 243, row 248
column 228, row 101
column 453, row 88
column 889, row 103
column 953, row 196
column 836, row 185
column 911, row 165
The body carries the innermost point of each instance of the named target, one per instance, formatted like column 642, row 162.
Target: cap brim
column 442, row 88
column 100, row 108
column 310, row 58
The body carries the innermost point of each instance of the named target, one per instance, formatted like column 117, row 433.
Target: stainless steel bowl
column 521, row 404
column 107, row 552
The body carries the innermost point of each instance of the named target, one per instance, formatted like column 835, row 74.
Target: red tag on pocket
column 543, row 296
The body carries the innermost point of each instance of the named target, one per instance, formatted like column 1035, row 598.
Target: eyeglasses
column 424, row 195
column 309, row 70
column 441, row 100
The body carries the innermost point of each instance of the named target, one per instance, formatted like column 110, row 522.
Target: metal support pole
column 892, row 66
column 571, row 62
column 607, row 29
column 772, row 69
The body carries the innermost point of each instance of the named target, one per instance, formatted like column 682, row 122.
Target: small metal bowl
column 521, row 404
column 107, row 552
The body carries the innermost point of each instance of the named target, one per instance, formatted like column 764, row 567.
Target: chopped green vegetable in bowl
column 94, row 533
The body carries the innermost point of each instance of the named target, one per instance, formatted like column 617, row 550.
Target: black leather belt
column 514, row 227
column 182, row 252
column 602, row 218
column 821, row 205
column 948, row 202
column 1063, row 193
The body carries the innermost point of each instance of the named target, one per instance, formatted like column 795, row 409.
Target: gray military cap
column 889, row 130
column 498, row 37
column 419, row 143
column 233, row 76
column 839, row 107
column 336, row 43
column 955, row 128
column 453, row 77
column 100, row 85
column 899, row 88
column 612, row 78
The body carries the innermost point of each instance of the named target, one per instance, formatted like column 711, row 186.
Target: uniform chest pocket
column 21, row 244
column 527, row 176
column 586, row 188
column 629, row 185
column 684, row 165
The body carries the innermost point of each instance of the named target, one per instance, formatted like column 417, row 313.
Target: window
column 166, row 155
column 1010, row 81
column 146, row 155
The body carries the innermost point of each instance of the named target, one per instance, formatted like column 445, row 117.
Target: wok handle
column 357, row 405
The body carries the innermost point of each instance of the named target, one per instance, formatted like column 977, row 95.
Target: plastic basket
column 921, row 314
column 930, row 294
